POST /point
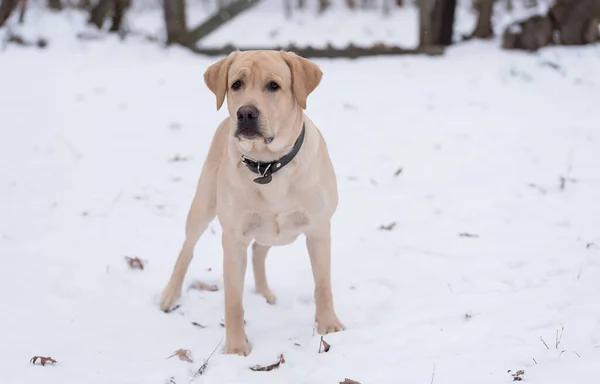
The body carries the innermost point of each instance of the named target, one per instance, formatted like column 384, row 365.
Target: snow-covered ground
column 482, row 137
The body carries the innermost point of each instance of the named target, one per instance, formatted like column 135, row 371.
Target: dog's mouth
column 244, row 132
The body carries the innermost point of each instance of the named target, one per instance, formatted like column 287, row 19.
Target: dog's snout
column 247, row 114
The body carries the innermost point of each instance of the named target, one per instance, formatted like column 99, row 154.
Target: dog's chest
column 278, row 223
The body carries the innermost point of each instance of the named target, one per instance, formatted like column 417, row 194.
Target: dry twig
column 388, row 227
column 204, row 365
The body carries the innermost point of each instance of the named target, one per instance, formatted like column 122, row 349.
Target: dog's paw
column 239, row 347
column 169, row 297
column 268, row 295
column 329, row 324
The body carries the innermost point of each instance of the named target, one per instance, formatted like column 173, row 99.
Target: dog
column 268, row 178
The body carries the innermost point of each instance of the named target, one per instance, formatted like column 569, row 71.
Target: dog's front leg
column 234, row 270
column 318, row 242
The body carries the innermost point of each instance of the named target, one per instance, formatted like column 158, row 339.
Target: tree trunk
column 287, row 9
column 175, row 20
column 424, row 24
column 442, row 22
column 484, row 29
column 55, row 5
column 576, row 21
column 118, row 13
column 6, row 9
column 301, row 4
column 530, row 34
column 99, row 13
column 323, row 5
column 23, row 11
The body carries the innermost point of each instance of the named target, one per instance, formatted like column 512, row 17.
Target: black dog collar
column 267, row 169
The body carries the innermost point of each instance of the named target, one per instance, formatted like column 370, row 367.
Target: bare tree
column 175, row 21
column 6, row 9
column 22, row 11
column 442, row 22
column 424, row 24
column 115, row 8
column 55, row 5
column 576, row 21
column 324, row 5
column 287, row 9
column 484, row 29
column 120, row 7
column 99, row 12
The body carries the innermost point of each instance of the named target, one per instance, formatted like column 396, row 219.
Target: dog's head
column 266, row 91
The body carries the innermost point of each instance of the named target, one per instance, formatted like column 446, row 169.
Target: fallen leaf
column 183, row 354
column 388, row 227
column 202, row 286
column 271, row 367
column 198, row 324
column 349, row 381
column 465, row 234
column 326, row 345
column 518, row 376
column 43, row 360
column 134, row 262
column 178, row 158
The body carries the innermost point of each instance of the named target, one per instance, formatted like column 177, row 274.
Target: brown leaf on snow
column 202, row 286
column 388, row 227
column 349, row 381
column 135, row 262
column 183, row 354
column 326, row 346
column 271, row 367
column 43, row 360
column 518, row 376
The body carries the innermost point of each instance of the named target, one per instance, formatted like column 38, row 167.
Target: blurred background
column 464, row 135
column 333, row 28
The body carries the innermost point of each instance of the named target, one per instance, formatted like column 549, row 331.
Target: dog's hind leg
column 259, row 255
column 202, row 211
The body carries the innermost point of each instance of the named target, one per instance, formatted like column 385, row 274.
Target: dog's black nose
column 247, row 114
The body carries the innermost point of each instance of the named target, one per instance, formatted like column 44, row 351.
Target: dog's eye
column 237, row 85
column 272, row 86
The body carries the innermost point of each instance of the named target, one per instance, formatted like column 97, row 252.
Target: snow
column 483, row 136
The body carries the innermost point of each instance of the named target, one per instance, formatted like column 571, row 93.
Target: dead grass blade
column 271, row 367
column 326, row 346
column 204, row 365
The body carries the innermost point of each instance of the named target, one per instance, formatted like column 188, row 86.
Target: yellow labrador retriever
column 268, row 178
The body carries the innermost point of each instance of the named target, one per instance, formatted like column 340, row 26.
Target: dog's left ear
column 306, row 76
column 216, row 80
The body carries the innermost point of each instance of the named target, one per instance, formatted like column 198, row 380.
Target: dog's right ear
column 215, row 77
